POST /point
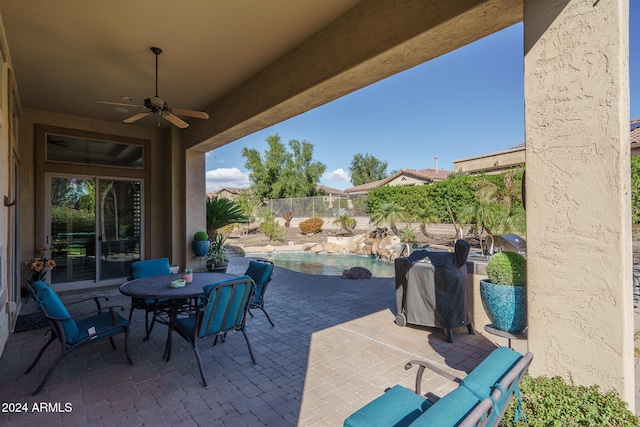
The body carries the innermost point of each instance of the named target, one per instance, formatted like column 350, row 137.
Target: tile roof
column 427, row 175
column 329, row 190
column 635, row 131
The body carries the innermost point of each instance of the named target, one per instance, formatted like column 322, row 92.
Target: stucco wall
column 578, row 179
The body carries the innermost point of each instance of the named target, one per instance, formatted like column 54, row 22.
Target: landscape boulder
column 356, row 273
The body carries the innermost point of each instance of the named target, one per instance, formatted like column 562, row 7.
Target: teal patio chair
column 481, row 398
column 222, row 308
column 260, row 271
column 147, row 268
column 72, row 334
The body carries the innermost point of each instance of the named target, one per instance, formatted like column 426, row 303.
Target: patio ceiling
column 249, row 64
column 67, row 55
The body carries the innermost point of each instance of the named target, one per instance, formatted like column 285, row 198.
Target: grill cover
column 431, row 287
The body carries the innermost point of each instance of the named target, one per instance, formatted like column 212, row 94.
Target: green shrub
column 407, row 235
column 553, row 402
column 507, row 268
column 269, row 226
column 311, row 225
column 201, row 235
column 272, row 230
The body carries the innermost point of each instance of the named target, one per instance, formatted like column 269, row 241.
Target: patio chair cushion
column 150, row 267
column 397, row 407
column 260, row 272
column 54, row 308
column 100, row 322
column 489, row 372
column 188, row 324
column 449, row 410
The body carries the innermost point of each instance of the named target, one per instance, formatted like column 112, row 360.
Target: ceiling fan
column 158, row 106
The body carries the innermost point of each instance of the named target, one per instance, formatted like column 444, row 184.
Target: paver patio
column 334, row 348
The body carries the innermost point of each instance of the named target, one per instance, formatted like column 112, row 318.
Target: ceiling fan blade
column 190, row 113
column 121, row 104
column 176, row 120
column 136, row 117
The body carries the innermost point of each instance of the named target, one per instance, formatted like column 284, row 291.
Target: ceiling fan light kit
column 158, row 106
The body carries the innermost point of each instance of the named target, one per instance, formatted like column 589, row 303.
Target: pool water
column 327, row 264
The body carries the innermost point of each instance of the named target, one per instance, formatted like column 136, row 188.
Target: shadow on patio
column 334, row 348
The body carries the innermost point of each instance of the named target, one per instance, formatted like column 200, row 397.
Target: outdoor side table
column 508, row 335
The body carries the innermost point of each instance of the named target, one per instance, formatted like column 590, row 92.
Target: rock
column 317, row 248
column 332, row 248
column 356, row 273
column 308, row 246
column 269, row 248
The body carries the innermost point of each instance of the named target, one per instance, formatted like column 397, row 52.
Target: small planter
column 187, row 277
column 200, row 247
column 217, row 268
column 506, row 306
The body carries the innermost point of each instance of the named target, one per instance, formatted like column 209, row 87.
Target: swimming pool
column 326, row 264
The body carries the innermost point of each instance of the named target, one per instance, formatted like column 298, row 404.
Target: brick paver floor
column 334, row 347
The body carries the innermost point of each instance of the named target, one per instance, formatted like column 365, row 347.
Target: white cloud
column 337, row 175
column 226, row 177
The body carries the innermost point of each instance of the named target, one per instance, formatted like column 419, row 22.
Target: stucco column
column 194, row 206
column 578, row 201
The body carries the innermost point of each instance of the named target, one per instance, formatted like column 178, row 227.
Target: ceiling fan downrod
column 156, row 51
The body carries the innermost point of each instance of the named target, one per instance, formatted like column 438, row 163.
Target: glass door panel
column 119, row 231
column 73, row 229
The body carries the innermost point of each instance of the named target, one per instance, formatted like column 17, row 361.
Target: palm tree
column 426, row 215
column 346, row 221
column 222, row 212
column 388, row 213
column 496, row 209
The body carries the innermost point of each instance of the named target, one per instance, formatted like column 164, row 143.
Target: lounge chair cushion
column 449, row 410
column 54, row 308
column 398, row 407
column 100, row 322
column 490, row 371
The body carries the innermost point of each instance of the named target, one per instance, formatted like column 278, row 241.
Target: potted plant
column 187, row 275
column 217, row 256
column 200, row 243
column 504, row 293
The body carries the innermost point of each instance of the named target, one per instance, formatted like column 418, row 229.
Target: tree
column 388, row 213
column 222, row 212
column 346, row 221
column 366, row 168
column 282, row 173
column 498, row 206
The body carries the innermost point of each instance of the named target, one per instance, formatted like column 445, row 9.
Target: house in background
column 230, row 193
column 403, row 177
column 323, row 190
column 505, row 160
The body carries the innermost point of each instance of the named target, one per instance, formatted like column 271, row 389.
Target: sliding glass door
column 94, row 228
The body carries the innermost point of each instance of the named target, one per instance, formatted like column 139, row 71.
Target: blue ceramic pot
column 506, row 306
column 200, row 247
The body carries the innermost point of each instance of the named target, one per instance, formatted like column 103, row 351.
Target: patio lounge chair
column 222, row 308
column 146, row 268
column 260, row 271
column 480, row 400
column 72, row 334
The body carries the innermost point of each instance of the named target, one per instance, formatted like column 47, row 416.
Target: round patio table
column 157, row 287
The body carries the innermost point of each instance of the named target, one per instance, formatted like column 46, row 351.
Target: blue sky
column 463, row 104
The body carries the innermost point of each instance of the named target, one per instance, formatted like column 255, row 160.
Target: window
column 69, row 149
